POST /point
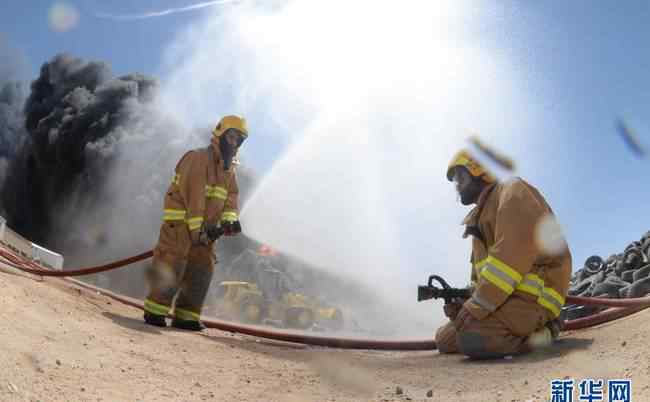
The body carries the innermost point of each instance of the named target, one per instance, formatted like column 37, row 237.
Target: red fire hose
column 287, row 336
column 27, row 265
column 618, row 308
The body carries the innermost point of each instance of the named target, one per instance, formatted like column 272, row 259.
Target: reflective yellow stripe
column 524, row 287
column 173, row 214
column 216, row 192
column 552, row 300
column 555, row 295
column 155, row 308
column 507, row 279
column 182, row 314
column 550, row 306
column 548, row 298
column 503, row 267
column 532, row 284
column 497, row 281
column 500, row 274
column 195, row 223
column 229, row 216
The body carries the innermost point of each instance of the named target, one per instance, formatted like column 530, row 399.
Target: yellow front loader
column 273, row 303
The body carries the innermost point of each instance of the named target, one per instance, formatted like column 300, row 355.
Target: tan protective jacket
column 508, row 261
column 202, row 190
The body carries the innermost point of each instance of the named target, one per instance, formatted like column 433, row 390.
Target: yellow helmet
column 231, row 121
column 463, row 158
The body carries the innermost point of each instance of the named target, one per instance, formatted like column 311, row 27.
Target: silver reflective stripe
column 550, row 299
column 531, row 286
column 502, row 275
column 483, row 303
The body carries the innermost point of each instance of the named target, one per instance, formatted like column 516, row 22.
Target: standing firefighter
column 200, row 205
column 519, row 283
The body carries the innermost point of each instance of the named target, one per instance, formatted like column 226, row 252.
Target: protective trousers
column 179, row 270
column 502, row 333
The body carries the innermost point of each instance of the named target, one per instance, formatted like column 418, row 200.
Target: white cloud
column 165, row 12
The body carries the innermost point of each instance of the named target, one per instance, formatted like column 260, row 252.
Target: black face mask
column 228, row 151
column 471, row 192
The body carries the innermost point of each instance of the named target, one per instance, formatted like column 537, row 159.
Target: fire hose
column 617, row 309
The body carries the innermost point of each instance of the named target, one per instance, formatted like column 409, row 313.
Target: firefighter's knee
column 446, row 339
column 476, row 346
column 163, row 276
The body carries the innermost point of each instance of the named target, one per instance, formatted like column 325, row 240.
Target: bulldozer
column 271, row 301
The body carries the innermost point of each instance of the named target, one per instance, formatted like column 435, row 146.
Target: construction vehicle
column 271, row 301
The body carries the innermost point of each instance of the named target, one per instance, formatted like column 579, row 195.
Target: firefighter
column 201, row 204
column 519, row 284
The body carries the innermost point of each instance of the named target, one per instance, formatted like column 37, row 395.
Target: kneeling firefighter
column 200, row 205
column 518, row 285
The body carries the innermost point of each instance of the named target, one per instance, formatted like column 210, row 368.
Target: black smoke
column 88, row 159
column 12, row 98
column 60, row 146
column 73, row 111
column 12, row 131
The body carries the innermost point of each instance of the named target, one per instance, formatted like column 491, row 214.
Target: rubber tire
column 582, row 286
column 645, row 249
column 594, row 263
column 641, row 273
column 610, row 287
column 639, row 288
column 624, row 291
column 628, row 276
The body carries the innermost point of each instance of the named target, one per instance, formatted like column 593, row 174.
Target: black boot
column 155, row 319
column 189, row 325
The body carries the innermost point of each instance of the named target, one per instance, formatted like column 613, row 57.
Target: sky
column 575, row 66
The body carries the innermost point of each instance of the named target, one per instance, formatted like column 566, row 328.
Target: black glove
column 213, row 232
column 231, row 228
column 209, row 232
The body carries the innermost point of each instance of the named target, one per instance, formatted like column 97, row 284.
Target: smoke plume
column 72, row 118
column 89, row 157
column 12, row 97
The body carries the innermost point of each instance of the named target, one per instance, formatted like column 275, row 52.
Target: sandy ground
column 60, row 343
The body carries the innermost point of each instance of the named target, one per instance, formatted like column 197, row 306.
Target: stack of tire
column 624, row 275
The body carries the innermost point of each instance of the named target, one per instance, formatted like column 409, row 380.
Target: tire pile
column 624, row 275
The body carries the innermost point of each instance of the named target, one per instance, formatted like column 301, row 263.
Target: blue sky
column 582, row 64
column 588, row 64
column 127, row 45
